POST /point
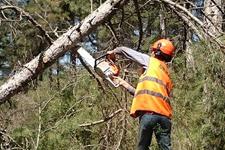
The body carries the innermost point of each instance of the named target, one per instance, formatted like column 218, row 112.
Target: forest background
column 68, row 107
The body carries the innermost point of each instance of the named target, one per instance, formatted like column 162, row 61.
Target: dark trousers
column 160, row 125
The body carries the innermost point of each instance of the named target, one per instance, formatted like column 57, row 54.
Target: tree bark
column 189, row 38
column 190, row 63
column 214, row 18
column 64, row 43
column 162, row 22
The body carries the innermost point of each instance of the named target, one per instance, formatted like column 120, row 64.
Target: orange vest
column 153, row 90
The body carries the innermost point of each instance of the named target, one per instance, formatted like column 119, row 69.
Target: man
column 151, row 101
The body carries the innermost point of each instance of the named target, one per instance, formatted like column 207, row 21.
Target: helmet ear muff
column 158, row 52
column 162, row 56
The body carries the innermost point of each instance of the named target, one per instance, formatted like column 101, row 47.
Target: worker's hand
column 119, row 80
column 124, row 84
column 111, row 56
column 110, row 52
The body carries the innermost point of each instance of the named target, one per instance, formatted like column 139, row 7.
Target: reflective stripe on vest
column 152, row 93
column 154, row 79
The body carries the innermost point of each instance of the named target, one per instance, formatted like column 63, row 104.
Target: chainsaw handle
column 104, row 55
column 100, row 57
column 114, row 84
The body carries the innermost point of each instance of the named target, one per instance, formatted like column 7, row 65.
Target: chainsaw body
column 107, row 69
column 102, row 65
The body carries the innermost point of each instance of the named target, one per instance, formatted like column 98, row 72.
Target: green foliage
column 214, row 69
column 59, row 109
column 199, row 100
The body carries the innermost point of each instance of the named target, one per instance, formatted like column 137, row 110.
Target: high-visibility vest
column 153, row 90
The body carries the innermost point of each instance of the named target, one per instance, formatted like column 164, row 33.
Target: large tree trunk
column 64, row 43
column 162, row 22
column 190, row 62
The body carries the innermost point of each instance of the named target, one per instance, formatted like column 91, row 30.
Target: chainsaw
column 103, row 66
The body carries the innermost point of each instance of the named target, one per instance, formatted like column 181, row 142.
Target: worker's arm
column 129, row 53
column 126, row 85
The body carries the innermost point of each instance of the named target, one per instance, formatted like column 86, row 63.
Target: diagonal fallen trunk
column 64, row 43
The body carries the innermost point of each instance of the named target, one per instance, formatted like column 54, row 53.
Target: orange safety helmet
column 164, row 45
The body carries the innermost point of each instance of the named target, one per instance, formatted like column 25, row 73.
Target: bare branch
column 122, row 18
column 176, row 5
column 115, row 96
column 189, row 18
column 103, row 120
column 31, row 19
column 39, row 128
column 206, row 16
column 122, row 132
column 109, row 26
column 188, row 23
column 139, row 23
column 2, row 132
column 218, row 7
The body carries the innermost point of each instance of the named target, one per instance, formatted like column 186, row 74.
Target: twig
column 55, row 94
column 220, row 9
column 188, row 23
column 208, row 18
column 187, row 14
column 101, row 121
column 122, row 18
column 39, row 128
column 92, row 42
column 141, row 8
column 109, row 26
column 66, row 114
column 122, row 132
column 139, row 23
column 31, row 19
column 113, row 94
column 3, row 133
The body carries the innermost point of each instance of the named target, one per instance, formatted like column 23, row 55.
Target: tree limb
column 218, row 7
column 206, row 35
column 59, row 47
column 109, row 26
column 139, row 23
column 102, row 120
